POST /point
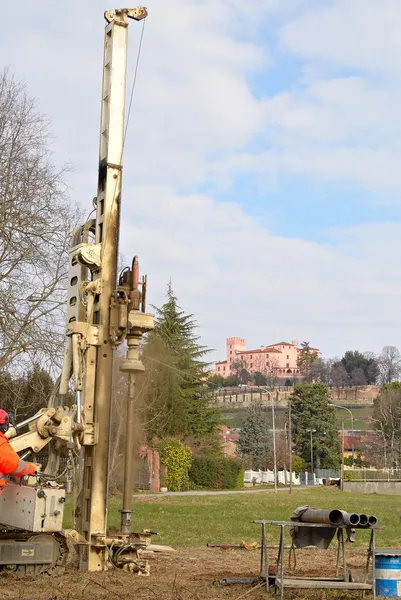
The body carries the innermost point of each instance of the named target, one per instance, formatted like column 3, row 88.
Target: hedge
column 177, row 459
column 216, row 473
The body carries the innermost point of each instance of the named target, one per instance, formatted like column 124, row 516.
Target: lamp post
column 342, row 461
column 352, row 427
column 274, row 443
column 311, row 431
column 290, row 440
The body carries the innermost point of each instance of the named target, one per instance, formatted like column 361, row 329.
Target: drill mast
column 112, row 312
column 101, row 314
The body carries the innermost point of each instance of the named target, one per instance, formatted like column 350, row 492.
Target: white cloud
column 362, row 34
column 193, row 124
column 239, row 279
column 192, row 101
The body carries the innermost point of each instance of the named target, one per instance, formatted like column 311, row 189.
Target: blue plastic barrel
column 388, row 572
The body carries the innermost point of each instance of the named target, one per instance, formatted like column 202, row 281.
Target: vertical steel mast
column 95, row 480
column 114, row 310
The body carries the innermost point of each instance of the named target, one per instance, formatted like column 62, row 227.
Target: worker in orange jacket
column 10, row 462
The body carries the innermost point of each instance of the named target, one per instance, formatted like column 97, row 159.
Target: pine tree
column 313, row 419
column 307, row 357
column 255, row 440
column 177, row 395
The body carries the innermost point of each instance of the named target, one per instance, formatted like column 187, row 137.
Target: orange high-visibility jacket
column 11, row 463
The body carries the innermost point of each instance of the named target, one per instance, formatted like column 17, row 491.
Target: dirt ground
column 190, row 574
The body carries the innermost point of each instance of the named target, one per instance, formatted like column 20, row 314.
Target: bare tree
column 386, row 420
column 24, row 394
column 321, row 370
column 389, row 364
column 238, row 367
column 358, row 377
column 271, row 373
column 36, row 219
column 339, row 375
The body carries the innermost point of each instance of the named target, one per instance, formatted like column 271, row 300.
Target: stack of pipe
column 337, row 517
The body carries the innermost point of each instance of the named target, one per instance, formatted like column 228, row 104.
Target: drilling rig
column 103, row 311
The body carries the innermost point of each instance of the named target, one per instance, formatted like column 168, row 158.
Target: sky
column 262, row 160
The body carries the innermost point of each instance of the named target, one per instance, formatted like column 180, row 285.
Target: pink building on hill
column 280, row 358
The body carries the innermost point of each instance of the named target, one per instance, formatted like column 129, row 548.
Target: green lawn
column 192, row 521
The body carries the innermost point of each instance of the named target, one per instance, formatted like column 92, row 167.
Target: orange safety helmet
column 4, row 421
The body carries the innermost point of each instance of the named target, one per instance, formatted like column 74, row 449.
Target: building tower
column 234, row 346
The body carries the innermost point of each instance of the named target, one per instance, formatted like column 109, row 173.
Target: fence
column 258, row 477
column 327, row 473
column 283, row 477
column 374, row 475
column 239, row 397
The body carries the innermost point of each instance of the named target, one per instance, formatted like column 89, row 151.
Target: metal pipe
column 27, row 421
column 239, row 581
column 67, row 364
column 351, row 519
column 225, row 546
column 79, row 407
column 372, row 520
column 126, row 512
column 314, row 515
column 363, row 520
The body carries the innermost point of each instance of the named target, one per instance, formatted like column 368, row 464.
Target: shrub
column 216, row 472
column 177, row 459
column 239, row 484
column 353, row 476
column 298, row 464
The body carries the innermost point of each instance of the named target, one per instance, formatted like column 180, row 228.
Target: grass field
column 193, row 521
column 188, row 522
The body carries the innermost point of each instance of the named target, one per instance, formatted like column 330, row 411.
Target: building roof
column 267, row 350
column 357, row 441
column 227, row 434
column 310, row 348
column 280, row 344
column 221, row 362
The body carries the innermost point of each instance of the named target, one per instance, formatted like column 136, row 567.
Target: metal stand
column 339, row 583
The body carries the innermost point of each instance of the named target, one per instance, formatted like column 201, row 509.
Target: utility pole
column 342, row 458
column 290, row 440
column 311, row 431
column 274, row 443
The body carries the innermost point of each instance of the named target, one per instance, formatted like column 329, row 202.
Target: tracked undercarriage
column 31, row 536
column 26, row 553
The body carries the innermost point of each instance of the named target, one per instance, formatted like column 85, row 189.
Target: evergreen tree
column 306, row 359
column 314, row 418
column 354, row 362
column 175, row 388
column 255, row 440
